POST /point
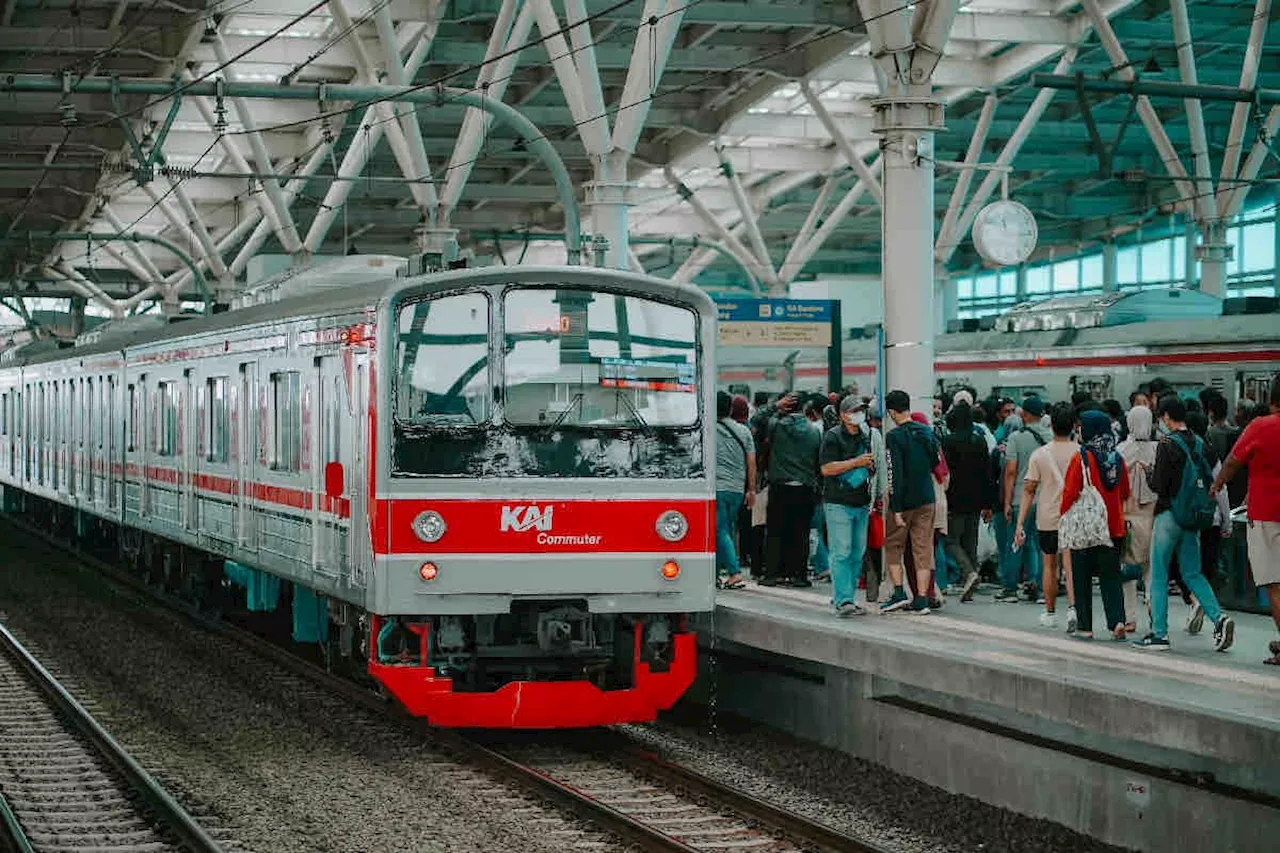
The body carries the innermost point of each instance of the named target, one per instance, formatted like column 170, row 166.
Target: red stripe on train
column 517, row 526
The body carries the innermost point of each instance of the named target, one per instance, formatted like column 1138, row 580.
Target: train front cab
column 544, row 520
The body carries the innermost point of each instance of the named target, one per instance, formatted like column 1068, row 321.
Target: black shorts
column 1048, row 541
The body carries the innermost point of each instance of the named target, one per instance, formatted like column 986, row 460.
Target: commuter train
column 1105, row 346
column 488, row 489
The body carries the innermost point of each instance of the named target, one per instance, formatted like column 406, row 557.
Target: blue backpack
column 1192, row 507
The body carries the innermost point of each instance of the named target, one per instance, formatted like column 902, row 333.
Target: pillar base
column 607, row 203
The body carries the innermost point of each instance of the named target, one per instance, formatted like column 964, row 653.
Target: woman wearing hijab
column 1106, row 473
column 1139, row 454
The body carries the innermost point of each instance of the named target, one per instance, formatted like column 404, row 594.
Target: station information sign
column 775, row 322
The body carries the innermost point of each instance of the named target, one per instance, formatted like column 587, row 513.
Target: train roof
column 1110, row 309
column 366, row 296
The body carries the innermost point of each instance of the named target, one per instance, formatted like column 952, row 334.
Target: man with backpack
column 1181, row 480
column 735, row 486
column 913, row 453
column 1010, row 470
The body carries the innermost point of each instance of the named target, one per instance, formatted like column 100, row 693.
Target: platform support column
column 948, row 298
column 1275, row 250
column 907, row 126
column 1214, row 252
column 1109, row 267
column 606, row 200
column 437, row 247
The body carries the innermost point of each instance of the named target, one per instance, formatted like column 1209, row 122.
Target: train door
column 112, row 472
column 184, row 459
column 358, row 473
column 333, row 463
column 245, row 418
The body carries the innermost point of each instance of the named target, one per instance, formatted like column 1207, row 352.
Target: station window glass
column 217, row 437
column 167, row 419
column 1066, row 276
column 986, row 286
column 286, row 421
column 1038, row 279
column 1178, row 259
column 1155, row 262
column 1091, row 271
column 1256, row 248
column 1127, row 265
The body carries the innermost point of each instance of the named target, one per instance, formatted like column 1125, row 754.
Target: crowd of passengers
column 817, row 488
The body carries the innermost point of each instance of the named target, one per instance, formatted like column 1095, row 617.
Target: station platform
column 1146, row 750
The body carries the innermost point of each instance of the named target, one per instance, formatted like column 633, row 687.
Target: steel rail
column 171, row 815
column 811, row 833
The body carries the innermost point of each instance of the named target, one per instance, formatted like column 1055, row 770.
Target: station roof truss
column 753, row 124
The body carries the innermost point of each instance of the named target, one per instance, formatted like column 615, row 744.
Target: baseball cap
column 851, row 403
column 1033, row 406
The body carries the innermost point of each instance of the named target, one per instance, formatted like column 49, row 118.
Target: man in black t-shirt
column 850, row 456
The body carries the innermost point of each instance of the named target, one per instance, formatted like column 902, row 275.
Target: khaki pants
column 916, row 529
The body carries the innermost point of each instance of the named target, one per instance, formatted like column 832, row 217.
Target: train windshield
column 589, row 359
column 591, row 383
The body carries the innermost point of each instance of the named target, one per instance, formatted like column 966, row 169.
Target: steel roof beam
column 960, row 192
column 1204, row 202
column 396, row 72
column 842, row 142
column 945, row 248
column 1240, row 113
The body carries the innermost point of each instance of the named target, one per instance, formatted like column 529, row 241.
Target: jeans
column 847, row 532
column 789, row 515
column 1025, row 562
column 1167, row 541
column 727, row 506
column 820, row 560
column 942, row 562
column 1103, row 562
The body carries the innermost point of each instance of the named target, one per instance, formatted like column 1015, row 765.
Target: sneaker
column 1007, row 596
column 850, row 608
column 768, row 582
column 920, row 607
column 969, row 588
column 1048, row 620
column 897, row 601
column 801, row 583
column 1029, row 592
column 1224, row 634
column 935, row 604
column 822, row 577
column 1152, row 643
column 1195, row 619
column 1073, row 623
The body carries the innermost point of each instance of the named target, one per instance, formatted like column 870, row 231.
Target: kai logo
column 521, row 519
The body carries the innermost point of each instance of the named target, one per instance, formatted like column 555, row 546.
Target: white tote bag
column 1085, row 525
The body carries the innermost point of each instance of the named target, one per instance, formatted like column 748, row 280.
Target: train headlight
column 430, row 526
column 672, row 525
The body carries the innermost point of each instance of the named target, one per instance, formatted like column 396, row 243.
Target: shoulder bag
column 1085, row 524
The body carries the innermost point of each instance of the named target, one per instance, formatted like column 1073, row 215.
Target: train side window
column 286, row 421
column 167, row 419
column 217, row 438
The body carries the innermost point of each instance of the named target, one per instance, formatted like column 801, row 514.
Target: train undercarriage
column 546, row 664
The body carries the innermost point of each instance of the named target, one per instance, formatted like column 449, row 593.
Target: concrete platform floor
column 1011, row 634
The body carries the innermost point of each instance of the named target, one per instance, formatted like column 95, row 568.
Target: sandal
column 734, row 582
column 1120, row 634
column 1131, row 628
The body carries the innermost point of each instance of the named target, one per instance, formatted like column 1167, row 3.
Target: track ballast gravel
column 852, row 795
column 276, row 762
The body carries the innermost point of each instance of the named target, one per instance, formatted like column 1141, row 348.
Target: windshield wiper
column 635, row 412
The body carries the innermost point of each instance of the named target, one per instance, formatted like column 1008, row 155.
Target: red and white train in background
column 491, row 489
column 1237, row 354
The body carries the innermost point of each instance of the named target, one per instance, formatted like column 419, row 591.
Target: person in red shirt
column 1258, row 449
column 1107, row 474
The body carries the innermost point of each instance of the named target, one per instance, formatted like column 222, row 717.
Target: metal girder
column 1158, row 89
column 1105, row 151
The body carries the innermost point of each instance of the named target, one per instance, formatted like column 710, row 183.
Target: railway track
column 65, row 784
column 602, row 777
column 607, row 779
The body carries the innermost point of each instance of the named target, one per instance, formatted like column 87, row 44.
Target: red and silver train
column 491, row 489
column 1056, row 349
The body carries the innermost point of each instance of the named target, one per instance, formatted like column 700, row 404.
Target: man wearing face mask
column 852, row 460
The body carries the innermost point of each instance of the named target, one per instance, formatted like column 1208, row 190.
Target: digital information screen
column 679, row 377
